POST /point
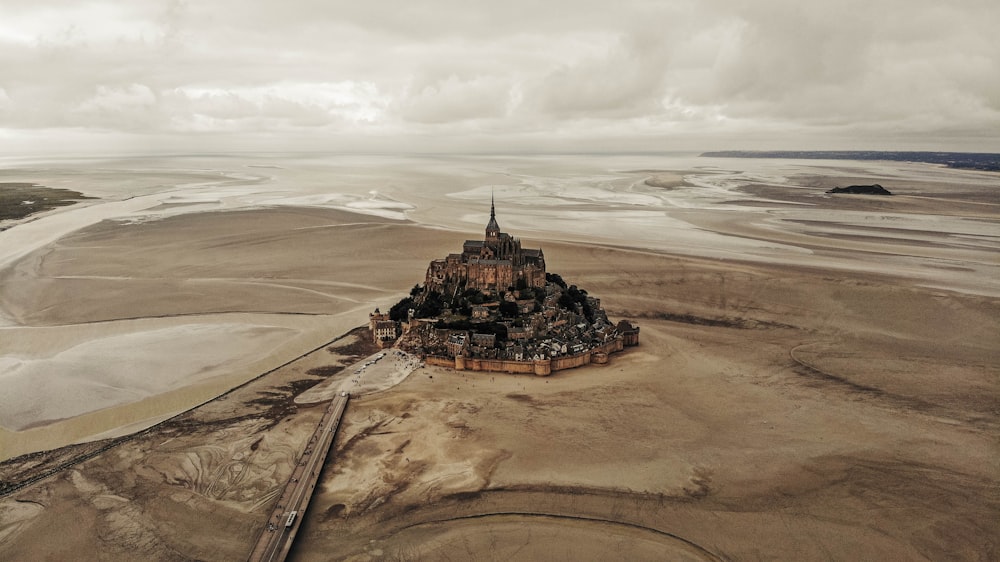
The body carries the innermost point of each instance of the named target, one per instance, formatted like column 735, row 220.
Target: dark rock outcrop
column 874, row 189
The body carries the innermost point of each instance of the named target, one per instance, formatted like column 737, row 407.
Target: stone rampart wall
column 542, row 367
column 499, row 366
column 613, row 346
column 439, row 361
column 571, row 361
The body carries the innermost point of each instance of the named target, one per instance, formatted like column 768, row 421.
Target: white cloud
column 126, row 107
column 110, row 99
column 276, row 108
column 545, row 73
column 453, row 100
column 78, row 23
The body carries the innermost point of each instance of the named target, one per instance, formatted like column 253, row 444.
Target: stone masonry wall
column 541, row 368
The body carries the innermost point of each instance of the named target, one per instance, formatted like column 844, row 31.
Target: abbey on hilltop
column 494, row 308
column 489, row 265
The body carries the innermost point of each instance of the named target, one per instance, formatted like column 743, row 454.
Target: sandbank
column 817, row 377
column 169, row 313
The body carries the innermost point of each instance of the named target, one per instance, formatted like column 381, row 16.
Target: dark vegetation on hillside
column 19, row 200
column 506, row 308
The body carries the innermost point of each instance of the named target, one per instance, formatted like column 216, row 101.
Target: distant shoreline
column 983, row 161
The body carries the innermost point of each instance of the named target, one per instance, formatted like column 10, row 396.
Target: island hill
column 494, row 308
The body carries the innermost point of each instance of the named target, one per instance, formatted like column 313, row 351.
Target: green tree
column 508, row 309
column 566, row 301
column 555, row 278
column 431, row 306
column 400, row 310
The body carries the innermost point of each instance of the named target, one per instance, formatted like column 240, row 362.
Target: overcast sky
column 503, row 75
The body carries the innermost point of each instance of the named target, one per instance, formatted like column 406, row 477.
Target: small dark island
column 873, row 189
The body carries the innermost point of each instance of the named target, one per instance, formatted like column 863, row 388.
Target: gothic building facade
column 492, row 264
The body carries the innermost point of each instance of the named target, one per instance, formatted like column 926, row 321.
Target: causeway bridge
column 276, row 538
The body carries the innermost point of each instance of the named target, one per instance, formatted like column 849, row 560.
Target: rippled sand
column 817, row 377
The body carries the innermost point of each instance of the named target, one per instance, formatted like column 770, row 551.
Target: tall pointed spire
column 492, row 228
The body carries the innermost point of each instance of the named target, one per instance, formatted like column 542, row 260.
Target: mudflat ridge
column 838, row 406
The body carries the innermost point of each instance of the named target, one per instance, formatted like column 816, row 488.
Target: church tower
column 492, row 228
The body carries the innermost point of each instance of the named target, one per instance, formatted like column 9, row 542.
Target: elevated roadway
column 283, row 523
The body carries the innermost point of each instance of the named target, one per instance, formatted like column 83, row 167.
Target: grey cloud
column 622, row 83
column 519, row 70
column 127, row 107
column 861, row 61
column 454, row 99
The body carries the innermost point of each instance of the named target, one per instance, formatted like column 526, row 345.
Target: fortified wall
column 539, row 367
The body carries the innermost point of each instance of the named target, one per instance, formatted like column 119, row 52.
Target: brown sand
column 224, row 281
column 771, row 412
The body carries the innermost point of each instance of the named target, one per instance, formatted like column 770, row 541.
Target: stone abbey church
column 490, row 265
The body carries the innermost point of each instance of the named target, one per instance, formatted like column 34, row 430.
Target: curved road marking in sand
column 911, row 404
column 243, row 281
column 558, row 516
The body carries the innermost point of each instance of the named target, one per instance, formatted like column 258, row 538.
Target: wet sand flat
column 839, row 406
column 167, row 314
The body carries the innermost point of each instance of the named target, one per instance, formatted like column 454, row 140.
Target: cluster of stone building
column 556, row 339
column 552, row 331
column 384, row 330
column 544, row 336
